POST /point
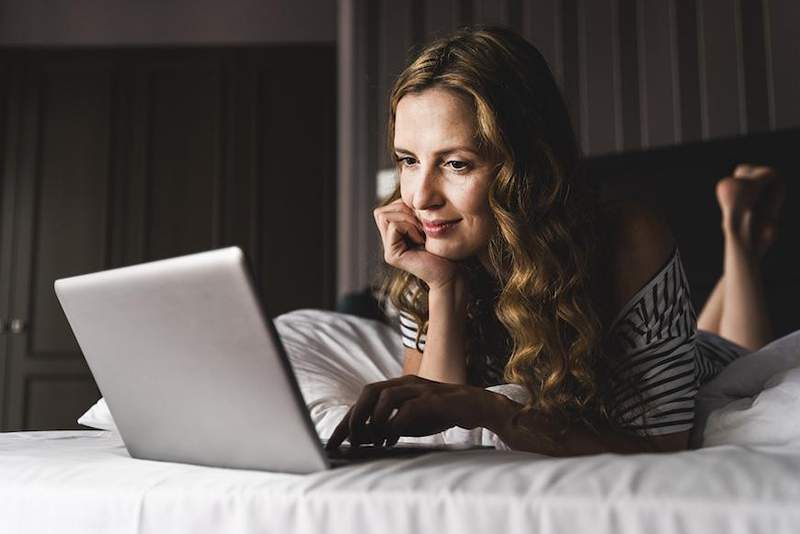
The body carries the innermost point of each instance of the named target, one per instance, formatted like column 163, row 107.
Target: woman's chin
column 444, row 250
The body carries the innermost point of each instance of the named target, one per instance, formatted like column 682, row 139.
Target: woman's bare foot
column 751, row 201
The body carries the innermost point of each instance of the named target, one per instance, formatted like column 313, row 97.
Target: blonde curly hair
column 544, row 249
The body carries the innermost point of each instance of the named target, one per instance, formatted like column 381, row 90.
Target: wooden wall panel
column 176, row 22
column 754, row 65
column 183, row 159
column 72, row 230
column 238, row 203
column 436, row 18
column 296, row 183
column 721, row 75
column 10, row 95
column 542, row 27
column 10, row 104
column 119, row 156
column 629, row 98
column 599, row 75
column 74, row 394
column 492, row 12
column 783, row 44
column 357, row 242
column 394, row 50
column 657, row 62
column 62, row 221
column 688, row 71
column 571, row 61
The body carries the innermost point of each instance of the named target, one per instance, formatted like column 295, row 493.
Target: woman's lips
column 438, row 228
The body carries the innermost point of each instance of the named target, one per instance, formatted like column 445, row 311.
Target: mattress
column 85, row 482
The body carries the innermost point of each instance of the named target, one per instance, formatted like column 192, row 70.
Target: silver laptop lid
column 190, row 366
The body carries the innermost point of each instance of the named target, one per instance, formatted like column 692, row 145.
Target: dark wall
column 165, row 22
column 636, row 75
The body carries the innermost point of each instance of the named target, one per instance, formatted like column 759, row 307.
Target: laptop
column 193, row 370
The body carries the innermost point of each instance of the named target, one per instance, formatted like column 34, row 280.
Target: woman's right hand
column 404, row 245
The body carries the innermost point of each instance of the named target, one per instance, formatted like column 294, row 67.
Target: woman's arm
column 536, row 434
column 403, row 244
column 444, row 359
column 414, row 406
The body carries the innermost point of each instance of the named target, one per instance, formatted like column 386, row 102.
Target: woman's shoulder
column 630, row 221
column 638, row 243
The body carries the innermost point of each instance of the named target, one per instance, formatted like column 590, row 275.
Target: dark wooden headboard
column 680, row 181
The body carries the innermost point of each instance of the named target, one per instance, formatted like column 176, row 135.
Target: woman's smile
column 439, row 227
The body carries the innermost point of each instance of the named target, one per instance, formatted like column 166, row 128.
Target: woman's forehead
column 434, row 119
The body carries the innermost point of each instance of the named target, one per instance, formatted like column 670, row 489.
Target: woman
column 505, row 267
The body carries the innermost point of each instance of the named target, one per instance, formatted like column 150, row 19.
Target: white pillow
column 743, row 397
column 769, row 418
column 334, row 355
column 98, row 416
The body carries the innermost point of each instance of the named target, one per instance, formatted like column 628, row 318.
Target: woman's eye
column 406, row 161
column 457, row 165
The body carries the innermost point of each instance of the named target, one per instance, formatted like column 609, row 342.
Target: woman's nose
column 427, row 194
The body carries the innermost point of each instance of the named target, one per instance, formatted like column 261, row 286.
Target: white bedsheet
column 749, row 482
column 84, row 482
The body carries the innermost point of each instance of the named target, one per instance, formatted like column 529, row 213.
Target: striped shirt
column 663, row 357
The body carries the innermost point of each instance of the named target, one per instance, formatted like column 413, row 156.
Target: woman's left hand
column 424, row 407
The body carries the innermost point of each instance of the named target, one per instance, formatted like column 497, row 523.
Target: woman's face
column 443, row 176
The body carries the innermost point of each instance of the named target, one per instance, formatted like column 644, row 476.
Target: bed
column 745, row 478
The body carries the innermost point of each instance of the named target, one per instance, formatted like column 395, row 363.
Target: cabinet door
column 10, row 91
column 122, row 156
column 237, row 147
column 64, row 201
column 176, row 151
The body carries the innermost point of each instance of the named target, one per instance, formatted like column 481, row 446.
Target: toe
column 760, row 173
column 742, row 170
column 727, row 191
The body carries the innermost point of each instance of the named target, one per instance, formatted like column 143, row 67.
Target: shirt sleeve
column 409, row 330
column 657, row 377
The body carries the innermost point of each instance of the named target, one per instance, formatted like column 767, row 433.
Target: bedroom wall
column 133, row 131
column 636, row 76
column 165, row 22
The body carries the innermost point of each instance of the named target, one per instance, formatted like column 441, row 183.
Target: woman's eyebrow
column 439, row 152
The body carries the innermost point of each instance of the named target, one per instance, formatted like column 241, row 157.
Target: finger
column 419, row 417
column 399, row 208
column 364, row 406
column 383, row 219
column 396, row 231
column 391, row 399
column 340, row 432
column 362, row 410
column 388, row 404
column 409, row 226
column 399, row 204
column 392, row 440
column 405, row 420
